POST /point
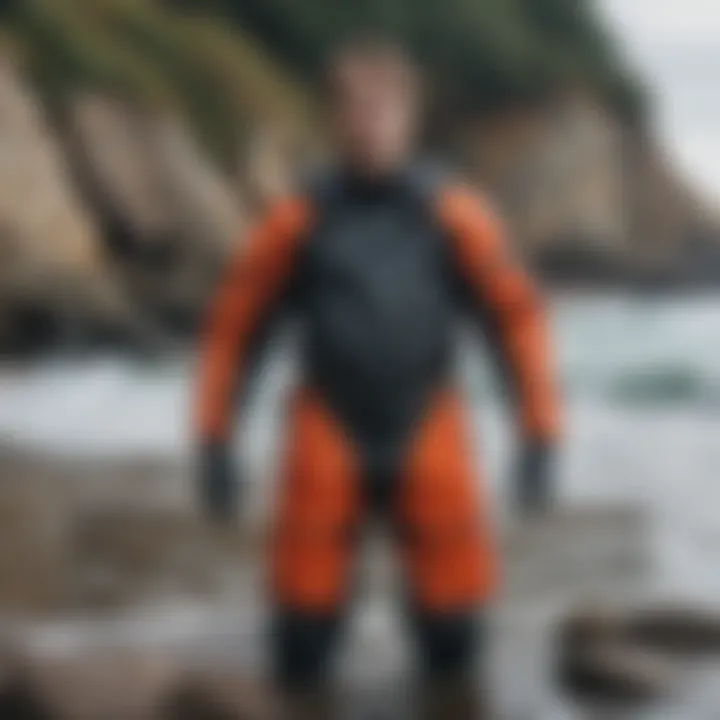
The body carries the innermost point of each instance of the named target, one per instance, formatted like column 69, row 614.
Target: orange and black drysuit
column 378, row 273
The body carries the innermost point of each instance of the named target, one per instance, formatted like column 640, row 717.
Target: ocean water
column 641, row 380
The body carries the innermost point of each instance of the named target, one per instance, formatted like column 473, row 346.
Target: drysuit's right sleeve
column 254, row 284
column 499, row 288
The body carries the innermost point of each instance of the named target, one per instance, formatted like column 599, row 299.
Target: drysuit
column 377, row 272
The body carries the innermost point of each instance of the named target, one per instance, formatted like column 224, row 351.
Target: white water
column 618, row 357
column 642, row 382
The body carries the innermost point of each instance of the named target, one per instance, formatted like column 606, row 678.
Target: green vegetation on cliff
column 229, row 65
column 216, row 75
column 483, row 52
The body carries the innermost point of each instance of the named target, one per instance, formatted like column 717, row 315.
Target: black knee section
column 449, row 645
column 302, row 647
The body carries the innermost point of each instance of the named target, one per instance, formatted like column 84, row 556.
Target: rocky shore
column 107, row 571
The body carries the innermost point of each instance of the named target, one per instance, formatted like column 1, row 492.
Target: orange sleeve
column 499, row 286
column 255, row 281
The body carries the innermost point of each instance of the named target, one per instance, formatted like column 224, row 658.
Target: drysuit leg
column 318, row 515
column 446, row 546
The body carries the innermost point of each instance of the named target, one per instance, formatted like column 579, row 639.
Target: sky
column 676, row 46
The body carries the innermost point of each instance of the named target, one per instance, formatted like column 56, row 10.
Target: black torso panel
column 378, row 310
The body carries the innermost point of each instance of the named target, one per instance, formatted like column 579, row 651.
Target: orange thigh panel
column 318, row 511
column 447, row 549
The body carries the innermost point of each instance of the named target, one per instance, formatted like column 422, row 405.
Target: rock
column 589, row 197
column 100, row 535
column 452, row 701
column 117, row 685
column 557, row 170
column 54, row 278
column 122, row 556
column 623, row 654
column 675, row 629
column 169, row 218
column 46, row 230
column 615, row 673
column 17, row 701
column 33, row 551
column 268, row 167
column 596, row 661
column 218, row 694
column 665, row 629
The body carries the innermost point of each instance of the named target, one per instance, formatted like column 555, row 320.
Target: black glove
column 217, row 483
column 534, row 478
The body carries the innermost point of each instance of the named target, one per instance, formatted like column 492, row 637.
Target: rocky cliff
column 167, row 216
column 113, row 222
column 54, row 275
column 589, row 198
column 138, row 139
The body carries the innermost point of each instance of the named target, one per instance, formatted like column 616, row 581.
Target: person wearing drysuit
column 378, row 259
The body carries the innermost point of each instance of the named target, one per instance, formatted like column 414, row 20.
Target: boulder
column 616, row 674
column 675, row 629
column 664, row 628
column 112, row 684
column 597, row 663
column 630, row 654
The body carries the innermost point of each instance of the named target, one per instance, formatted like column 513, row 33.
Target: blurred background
column 139, row 138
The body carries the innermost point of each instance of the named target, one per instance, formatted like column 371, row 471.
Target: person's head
column 375, row 105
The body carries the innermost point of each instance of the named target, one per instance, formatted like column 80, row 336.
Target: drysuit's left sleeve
column 501, row 291
column 255, row 284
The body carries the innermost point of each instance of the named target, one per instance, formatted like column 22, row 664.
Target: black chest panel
column 378, row 307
